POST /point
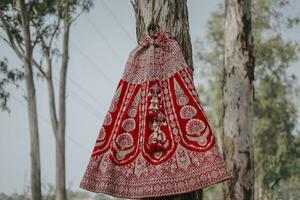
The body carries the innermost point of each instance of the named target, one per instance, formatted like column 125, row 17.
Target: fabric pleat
column 155, row 139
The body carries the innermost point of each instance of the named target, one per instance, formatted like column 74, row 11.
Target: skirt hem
column 92, row 187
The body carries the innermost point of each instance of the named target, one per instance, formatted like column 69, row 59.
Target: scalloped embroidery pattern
column 155, row 140
column 188, row 112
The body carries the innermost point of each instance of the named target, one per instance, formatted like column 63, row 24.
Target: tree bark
column 61, row 193
column 171, row 16
column 36, row 193
column 58, row 119
column 238, row 91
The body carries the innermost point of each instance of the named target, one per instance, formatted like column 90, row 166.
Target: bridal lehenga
column 155, row 139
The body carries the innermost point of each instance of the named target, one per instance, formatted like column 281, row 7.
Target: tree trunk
column 171, row 16
column 61, row 193
column 36, row 193
column 34, row 133
column 238, row 100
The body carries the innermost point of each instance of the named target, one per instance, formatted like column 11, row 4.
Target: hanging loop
column 153, row 28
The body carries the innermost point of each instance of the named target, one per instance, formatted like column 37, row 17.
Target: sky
column 100, row 43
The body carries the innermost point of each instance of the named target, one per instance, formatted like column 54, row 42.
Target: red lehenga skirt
column 155, row 139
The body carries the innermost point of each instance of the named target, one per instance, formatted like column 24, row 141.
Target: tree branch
column 72, row 20
column 5, row 40
column 54, row 32
column 26, row 29
column 10, row 36
column 39, row 67
column 52, row 106
column 48, row 75
column 46, row 53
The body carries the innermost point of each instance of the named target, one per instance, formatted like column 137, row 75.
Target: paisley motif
column 181, row 98
column 182, row 157
column 132, row 112
column 195, row 127
column 128, row 124
column 113, row 105
column 188, row 112
column 153, row 142
column 124, row 140
column 102, row 134
column 201, row 140
column 101, row 137
column 107, row 119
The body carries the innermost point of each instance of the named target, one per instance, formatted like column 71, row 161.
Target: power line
column 86, row 92
column 44, row 119
column 92, row 63
column 83, row 90
column 78, row 85
column 89, row 107
column 117, row 20
column 82, row 102
column 103, row 38
column 79, row 144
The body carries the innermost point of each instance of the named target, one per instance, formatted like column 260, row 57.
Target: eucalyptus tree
column 275, row 110
column 32, row 27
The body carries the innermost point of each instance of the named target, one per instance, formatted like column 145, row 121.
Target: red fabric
column 155, row 139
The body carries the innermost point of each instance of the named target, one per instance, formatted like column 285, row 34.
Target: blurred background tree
column 275, row 108
column 48, row 191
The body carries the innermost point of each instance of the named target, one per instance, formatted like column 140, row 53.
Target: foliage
column 275, row 110
column 45, row 21
column 48, row 194
column 14, row 196
column 7, row 77
column 42, row 14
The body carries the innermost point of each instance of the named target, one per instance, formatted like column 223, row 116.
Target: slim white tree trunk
column 36, row 193
column 61, row 193
column 238, row 100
